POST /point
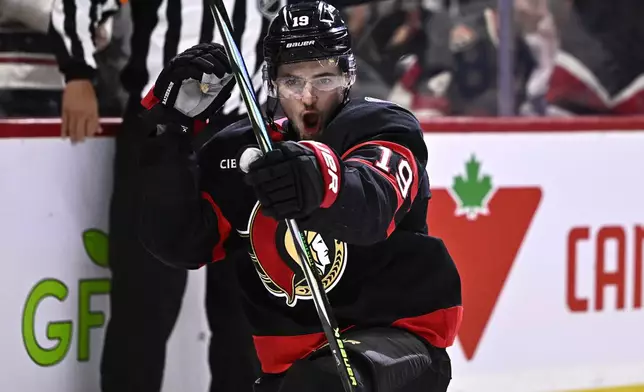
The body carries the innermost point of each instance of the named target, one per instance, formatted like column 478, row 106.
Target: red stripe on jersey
column 439, row 327
column 276, row 133
column 149, row 100
column 330, row 169
column 277, row 353
column 223, row 227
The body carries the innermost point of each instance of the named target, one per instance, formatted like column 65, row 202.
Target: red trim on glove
column 149, row 100
column 330, row 169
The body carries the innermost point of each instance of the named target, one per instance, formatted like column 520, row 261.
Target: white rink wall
column 551, row 259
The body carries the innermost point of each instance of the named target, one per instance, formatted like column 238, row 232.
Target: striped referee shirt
column 161, row 30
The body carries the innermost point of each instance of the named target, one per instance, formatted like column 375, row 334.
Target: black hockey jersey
column 378, row 265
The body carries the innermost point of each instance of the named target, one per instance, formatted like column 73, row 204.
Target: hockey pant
column 383, row 360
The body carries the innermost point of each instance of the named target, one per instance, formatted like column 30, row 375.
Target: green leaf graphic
column 472, row 190
column 95, row 242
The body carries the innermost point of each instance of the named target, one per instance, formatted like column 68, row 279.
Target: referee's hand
column 80, row 111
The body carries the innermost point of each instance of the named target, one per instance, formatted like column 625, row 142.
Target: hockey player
column 352, row 172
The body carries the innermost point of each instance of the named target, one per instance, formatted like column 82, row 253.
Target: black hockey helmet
column 305, row 32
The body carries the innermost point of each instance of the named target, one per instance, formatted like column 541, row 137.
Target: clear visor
column 314, row 77
column 293, row 87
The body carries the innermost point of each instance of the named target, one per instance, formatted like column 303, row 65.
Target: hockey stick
column 329, row 324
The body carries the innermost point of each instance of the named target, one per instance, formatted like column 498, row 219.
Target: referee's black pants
column 146, row 297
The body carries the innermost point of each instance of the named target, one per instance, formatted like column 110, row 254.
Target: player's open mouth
column 311, row 122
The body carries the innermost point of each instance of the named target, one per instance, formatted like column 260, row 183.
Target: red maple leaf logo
column 483, row 230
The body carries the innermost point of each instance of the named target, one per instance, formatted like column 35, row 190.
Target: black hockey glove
column 193, row 86
column 294, row 179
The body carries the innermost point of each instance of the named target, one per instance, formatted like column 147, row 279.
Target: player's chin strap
column 270, row 114
column 345, row 96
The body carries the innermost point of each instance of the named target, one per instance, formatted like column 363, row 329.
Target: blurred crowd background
column 436, row 57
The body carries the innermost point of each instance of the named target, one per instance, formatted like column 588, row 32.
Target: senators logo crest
column 277, row 263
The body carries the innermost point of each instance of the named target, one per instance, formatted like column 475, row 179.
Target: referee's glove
column 193, row 86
